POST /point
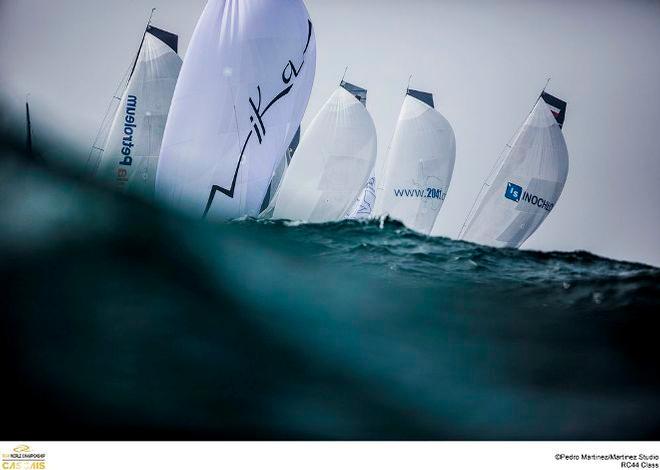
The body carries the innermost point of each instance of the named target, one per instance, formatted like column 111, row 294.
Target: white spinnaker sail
column 526, row 183
column 332, row 164
column 241, row 95
column 130, row 156
column 419, row 164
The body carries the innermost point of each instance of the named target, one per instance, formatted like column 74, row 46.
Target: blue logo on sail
column 513, row 192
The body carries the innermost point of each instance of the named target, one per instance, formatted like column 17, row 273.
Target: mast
column 28, row 122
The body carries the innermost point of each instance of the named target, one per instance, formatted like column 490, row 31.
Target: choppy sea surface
column 121, row 320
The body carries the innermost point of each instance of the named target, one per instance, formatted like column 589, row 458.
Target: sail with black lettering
column 128, row 160
column 241, row 96
column 526, row 183
column 333, row 162
column 419, row 165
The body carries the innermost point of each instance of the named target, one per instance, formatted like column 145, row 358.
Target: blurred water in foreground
column 123, row 321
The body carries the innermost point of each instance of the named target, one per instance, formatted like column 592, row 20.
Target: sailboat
column 335, row 158
column 526, row 182
column 419, row 165
column 239, row 101
column 129, row 158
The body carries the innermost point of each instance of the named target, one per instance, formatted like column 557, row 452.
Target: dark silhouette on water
column 28, row 124
column 122, row 321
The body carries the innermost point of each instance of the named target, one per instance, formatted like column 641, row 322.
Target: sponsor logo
column 428, row 193
column 516, row 194
column 24, row 458
column 129, row 131
column 513, row 192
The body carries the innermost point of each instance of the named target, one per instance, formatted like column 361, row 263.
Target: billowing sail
column 332, row 164
column 526, row 183
column 129, row 158
column 240, row 98
column 419, row 164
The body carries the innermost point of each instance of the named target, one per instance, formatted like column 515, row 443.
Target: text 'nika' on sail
column 418, row 168
column 526, row 183
column 128, row 159
column 239, row 101
column 333, row 163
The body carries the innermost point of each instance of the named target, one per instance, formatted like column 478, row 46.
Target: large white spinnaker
column 419, row 164
column 240, row 98
column 129, row 158
column 333, row 162
column 526, row 183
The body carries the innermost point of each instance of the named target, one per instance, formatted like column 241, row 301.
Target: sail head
column 422, row 96
column 169, row 39
column 557, row 107
column 359, row 93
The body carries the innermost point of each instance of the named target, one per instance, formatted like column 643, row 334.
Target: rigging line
column 123, row 82
column 343, row 76
column 408, row 87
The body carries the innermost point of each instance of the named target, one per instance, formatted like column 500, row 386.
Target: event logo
column 23, row 458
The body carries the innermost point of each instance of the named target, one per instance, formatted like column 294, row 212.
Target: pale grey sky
column 484, row 61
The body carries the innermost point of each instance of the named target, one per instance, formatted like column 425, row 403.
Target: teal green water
column 123, row 321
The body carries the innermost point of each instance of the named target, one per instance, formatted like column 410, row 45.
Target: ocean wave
column 123, row 320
